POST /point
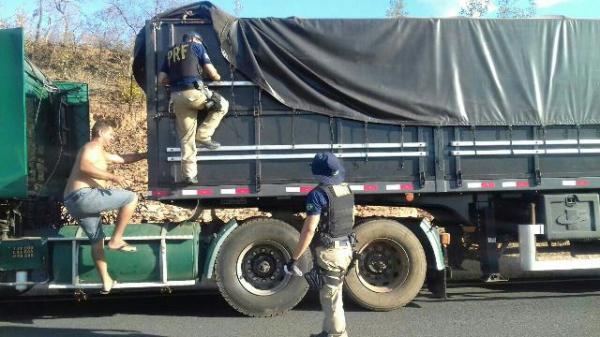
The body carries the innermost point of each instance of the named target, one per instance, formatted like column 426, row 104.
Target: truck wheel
column 391, row 267
column 249, row 268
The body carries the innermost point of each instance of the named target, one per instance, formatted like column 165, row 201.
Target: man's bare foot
column 106, row 288
column 121, row 246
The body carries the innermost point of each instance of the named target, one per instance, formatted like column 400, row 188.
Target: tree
column 509, row 9
column 69, row 10
column 126, row 18
column 237, row 7
column 39, row 12
column 3, row 21
column 505, row 9
column 475, row 8
column 396, row 8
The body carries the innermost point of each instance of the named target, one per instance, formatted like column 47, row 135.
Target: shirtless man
column 86, row 196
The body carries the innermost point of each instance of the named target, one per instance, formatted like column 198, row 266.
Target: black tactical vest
column 183, row 63
column 338, row 220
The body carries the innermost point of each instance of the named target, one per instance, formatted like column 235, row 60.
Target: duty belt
column 341, row 243
column 329, row 242
column 185, row 86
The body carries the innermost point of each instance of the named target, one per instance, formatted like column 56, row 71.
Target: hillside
column 114, row 95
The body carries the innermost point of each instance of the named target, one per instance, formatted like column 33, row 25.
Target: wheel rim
column 260, row 268
column 383, row 265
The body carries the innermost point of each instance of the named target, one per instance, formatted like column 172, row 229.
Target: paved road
column 566, row 308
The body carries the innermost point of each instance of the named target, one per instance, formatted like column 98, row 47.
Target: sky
column 351, row 8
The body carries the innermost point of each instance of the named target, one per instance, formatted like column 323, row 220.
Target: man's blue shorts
column 86, row 203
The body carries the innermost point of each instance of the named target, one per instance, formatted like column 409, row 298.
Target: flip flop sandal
column 125, row 248
column 107, row 291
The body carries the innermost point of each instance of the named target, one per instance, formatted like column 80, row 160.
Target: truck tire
column 391, row 266
column 249, row 268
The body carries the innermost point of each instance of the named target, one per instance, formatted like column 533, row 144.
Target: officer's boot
column 320, row 334
column 325, row 334
column 188, row 181
column 208, row 143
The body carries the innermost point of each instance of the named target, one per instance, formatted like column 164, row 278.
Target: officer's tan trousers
column 186, row 104
column 337, row 260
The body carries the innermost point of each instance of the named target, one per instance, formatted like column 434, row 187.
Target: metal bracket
column 421, row 160
column 538, row 177
column 536, row 157
column 457, row 160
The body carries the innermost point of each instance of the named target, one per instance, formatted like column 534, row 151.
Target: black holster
column 314, row 278
column 213, row 103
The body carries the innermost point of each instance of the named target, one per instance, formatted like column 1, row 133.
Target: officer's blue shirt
column 200, row 52
column 316, row 201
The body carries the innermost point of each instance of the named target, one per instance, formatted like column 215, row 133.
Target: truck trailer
column 490, row 126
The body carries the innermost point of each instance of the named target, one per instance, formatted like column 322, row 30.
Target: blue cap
column 328, row 169
column 189, row 36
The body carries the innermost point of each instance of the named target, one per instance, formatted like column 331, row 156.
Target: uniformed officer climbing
column 328, row 231
column 183, row 68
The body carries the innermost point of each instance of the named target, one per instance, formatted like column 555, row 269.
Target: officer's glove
column 291, row 268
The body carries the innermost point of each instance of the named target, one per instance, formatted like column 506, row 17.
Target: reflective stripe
column 562, row 151
column 399, row 187
column 228, row 191
column 589, row 141
column 562, row 142
column 304, row 156
column 525, row 142
column 507, row 184
column 481, row 184
column 480, row 143
column 591, row 150
column 229, row 83
column 234, row 191
column 307, row 147
column 492, row 152
column 529, row 152
column 159, row 193
column 364, row 188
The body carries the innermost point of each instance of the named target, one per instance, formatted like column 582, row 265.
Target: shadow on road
column 520, row 290
column 213, row 305
column 205, row 305
column 25, row 331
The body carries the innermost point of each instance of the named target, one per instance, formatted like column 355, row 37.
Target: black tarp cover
column 454, row 71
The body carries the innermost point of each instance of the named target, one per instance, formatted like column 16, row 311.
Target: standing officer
column 183, row 69
column 328, row 230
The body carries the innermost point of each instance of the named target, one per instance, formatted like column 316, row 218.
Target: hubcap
column 383, row 265
column 260, row 268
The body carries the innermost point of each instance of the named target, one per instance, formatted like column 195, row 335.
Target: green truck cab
column 44, row 124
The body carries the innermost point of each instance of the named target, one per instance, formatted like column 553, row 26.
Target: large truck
column 489, row 126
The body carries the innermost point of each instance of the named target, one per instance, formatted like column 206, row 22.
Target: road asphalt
column 558, row 308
